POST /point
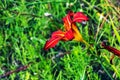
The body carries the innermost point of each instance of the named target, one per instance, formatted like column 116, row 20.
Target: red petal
column 69, row 35
column 58, row 33
column 111, row 49
column 56, row 36
column 79, row 17
column 52, row 42
column 67, row 22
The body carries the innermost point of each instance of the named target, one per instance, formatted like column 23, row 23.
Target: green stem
column 88, row 44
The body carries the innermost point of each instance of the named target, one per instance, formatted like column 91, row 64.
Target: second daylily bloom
column 111, row 49
column 71, row 31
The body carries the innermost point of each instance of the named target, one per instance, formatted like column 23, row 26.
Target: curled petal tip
column 79, row 17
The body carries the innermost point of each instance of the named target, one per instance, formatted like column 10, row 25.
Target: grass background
column 24, row 30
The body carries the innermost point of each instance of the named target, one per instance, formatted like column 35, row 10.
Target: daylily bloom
column 111, row 49
column 71, row 31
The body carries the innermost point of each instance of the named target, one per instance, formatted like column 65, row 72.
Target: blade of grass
column 115, row 30
column 114, row 68
column 107, row 72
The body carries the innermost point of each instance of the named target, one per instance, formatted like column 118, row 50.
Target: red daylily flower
column 71, row 31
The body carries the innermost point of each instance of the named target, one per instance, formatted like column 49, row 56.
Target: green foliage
column 24, row 30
